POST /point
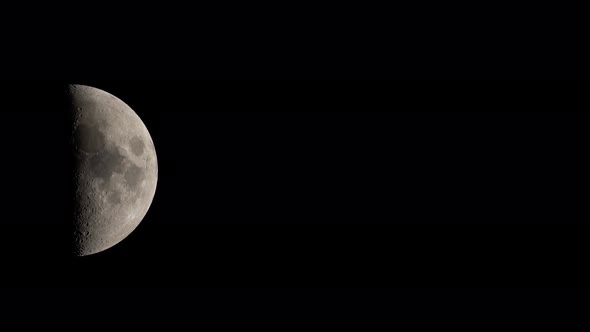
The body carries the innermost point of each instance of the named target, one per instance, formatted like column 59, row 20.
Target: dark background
column 353, row 203
column 320, row 40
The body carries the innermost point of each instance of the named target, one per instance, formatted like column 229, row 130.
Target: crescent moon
column 116, row 169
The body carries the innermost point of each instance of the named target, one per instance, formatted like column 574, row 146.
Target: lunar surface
column 116, row 169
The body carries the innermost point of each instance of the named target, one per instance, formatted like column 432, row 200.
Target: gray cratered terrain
column 116, row 169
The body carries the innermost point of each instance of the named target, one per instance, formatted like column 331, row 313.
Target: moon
column 115, row 169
